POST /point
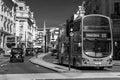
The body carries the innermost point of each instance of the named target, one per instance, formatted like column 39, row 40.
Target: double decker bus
column 10, row 42
column 91, row 44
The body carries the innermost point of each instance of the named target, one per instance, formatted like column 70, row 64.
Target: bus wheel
column 22, row 60
column 11, row 60
column 74, row 62
column 61, row 60
column 101, row 68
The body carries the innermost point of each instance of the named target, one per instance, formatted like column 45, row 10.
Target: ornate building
column 7, row 22
column 16, row 19
column 25, row 23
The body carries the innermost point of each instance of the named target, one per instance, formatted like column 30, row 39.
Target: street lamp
column 71, row 50
column 44, row 34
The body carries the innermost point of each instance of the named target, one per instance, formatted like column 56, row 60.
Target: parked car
column 54, row 50
column 40, row 50
column 29, row 52
column 2, row 51
column 17, row 54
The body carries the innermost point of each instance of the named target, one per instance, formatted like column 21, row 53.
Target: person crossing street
column 36, row 52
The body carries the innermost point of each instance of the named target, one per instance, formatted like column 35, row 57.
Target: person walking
column 36, row 52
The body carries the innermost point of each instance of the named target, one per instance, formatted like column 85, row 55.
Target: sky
column 53, row 12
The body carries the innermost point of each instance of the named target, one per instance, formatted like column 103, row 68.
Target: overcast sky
column 54, row 12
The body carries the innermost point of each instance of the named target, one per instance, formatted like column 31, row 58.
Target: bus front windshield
column 96, row 48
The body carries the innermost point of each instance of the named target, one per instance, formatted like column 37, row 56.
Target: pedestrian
column 36, row 52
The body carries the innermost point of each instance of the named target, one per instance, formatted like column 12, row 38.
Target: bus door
column 77, row 49
column 116, row 54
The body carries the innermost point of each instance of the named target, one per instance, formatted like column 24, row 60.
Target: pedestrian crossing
column 54, row 76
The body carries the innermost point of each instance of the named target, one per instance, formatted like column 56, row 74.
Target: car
column 16, row 54
column 40, row 50
column 2, row 51
column 29, row 52
column 54, row 50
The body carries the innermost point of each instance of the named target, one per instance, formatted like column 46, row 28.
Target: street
column 28, row 70
column 22, row 68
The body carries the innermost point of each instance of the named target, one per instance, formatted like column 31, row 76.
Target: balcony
column 22, row 15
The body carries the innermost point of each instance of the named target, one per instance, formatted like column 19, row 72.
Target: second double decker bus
column 92, row 42
column 10, row 42
column 97, row 42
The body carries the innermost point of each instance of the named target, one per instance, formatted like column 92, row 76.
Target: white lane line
column 70, row 75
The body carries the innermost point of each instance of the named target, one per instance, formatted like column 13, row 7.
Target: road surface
column 30, row 71
column 22, row 68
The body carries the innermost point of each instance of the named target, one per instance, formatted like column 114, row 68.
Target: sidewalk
column 49, row 63
column 46, row 60
column 116, row 62
column 52, row 59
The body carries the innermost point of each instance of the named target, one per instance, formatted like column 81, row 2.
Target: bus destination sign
column 96, row 35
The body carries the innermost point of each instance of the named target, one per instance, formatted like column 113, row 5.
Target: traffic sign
column 71, row 34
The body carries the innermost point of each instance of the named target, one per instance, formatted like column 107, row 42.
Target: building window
column 21, row 8
column 21, row 22
column 117, row 8
column 21, row 28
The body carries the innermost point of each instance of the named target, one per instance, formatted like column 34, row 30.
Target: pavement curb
column 116, row 63
column 55, row 67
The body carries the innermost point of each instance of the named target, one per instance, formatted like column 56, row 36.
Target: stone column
column 2, row 38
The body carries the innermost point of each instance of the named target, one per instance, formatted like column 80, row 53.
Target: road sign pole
column 71, row 38
column 70, row 55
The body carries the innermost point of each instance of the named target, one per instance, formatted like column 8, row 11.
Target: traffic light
column 69, row 25
column 67, row 28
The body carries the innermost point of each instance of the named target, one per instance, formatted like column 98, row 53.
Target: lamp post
column 44, row 33
column 71, row 49
column 25, row 39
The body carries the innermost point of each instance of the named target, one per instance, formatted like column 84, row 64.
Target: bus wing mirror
column 79, row 44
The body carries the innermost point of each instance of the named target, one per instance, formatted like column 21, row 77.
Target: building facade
column 43, row 39
column 25, row 24
column 39, row 38
column 110, row 8
column 7, row 21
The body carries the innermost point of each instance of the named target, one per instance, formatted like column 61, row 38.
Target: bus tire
column 10, row 61
column 22, row 60
column 101, row 68
column 74, row 62
column 61, row 60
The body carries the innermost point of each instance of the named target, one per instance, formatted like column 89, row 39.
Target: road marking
column 70, row 75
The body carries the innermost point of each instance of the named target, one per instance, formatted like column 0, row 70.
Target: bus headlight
column 85, row 60
column 109, row 60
